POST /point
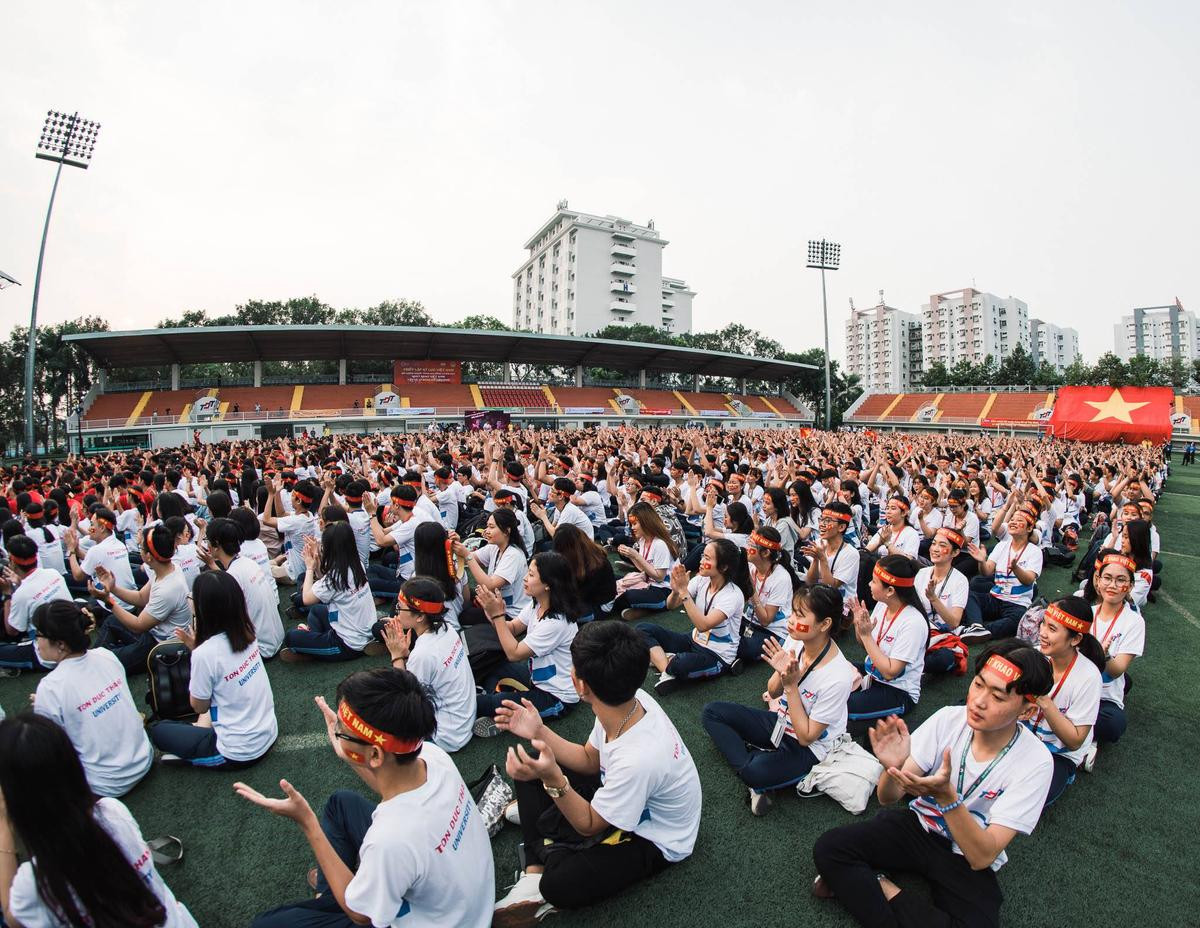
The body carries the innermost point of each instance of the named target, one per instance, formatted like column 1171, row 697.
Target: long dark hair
column 62, row 620
column 584, row 555
column 825, row 601
column 779, row 556
column 555, row 573
column 808, row 502
column 430, row 560
column 900, row 566
column 221, row 607
column 732, row 565
column 340, row 562
column 652, row 525
column 1087, row 645
column 1138, row 533
column 81, row 873
column 737, row 519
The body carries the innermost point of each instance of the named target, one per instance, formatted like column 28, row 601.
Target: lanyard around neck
column 962, row 764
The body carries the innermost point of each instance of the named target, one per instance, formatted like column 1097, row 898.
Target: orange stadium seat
column 960, row 406
column 514, row 395
column 1015, row 405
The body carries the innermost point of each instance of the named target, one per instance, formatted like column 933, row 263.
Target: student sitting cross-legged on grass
column 806, row 697
column 600, row 816
column 422, row 854
column 894, row 636
column 714, row 601
column 978, row 777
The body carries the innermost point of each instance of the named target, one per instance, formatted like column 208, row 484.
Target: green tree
column 1047, row 375
column 935, row 375
column 963, row 374
column 984, row 373
column 1145, row 371
column 1177, row 373
column 486, row 323
column 1109, row 370
column 1018, row 368
column 1078, row 373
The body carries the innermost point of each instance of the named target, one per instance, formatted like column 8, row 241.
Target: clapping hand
column 679, row 579
column 862, row 618
column 397, row 639
column 491, row 602
column 521, row 766
column 890, row 742
column 293, row 805
column 936, row 784
column 522, row 720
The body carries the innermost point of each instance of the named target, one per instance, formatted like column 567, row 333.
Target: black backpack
column 169, row 667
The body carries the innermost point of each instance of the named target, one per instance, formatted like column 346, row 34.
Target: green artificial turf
column 1134, row 818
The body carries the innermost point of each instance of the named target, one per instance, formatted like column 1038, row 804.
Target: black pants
column 580, row 871
column 850, row 856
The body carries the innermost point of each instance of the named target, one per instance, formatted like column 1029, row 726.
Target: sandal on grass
column 166, row 850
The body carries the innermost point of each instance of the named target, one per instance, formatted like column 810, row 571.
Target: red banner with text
column 406, row 372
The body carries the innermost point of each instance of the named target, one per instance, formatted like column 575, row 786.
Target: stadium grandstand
column 429, row 384
column 1014, row 410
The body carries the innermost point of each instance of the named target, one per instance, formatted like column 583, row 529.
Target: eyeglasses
column 1118, row 582
column 825, row 520
column 342, row 736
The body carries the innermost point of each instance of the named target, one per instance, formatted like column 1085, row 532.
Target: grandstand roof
column 152, row 347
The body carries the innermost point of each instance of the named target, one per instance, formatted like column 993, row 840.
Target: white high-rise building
column 587, row 272
column 1159, row 332
column 1057, row 346
column 883, row 347
column 971, row 324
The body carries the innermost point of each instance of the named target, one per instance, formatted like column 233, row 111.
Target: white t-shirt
column 1005, row 585
column 42, row 585
column 906, row 542
column 1077, row 696
column 262, row 602
column 512, row 566
column 403, row 533
column 1011, row 795
column 31, row 912
column 901, row 639
column 351, row 612
column 550, row 640
column 657, row 555
column 775, row 589
column 571, row 514
column 241, row 704
column 723, row 639
column 254, row 549
column 293, row 530
column 824, row 693
column 439, row 660
column 649, row 785
column 110, row 554
column 187, row 562
column 360, row 523
column 89, row 697
column 168, row 604
column 844, row 565
column 954, row 591
column 1124, row 635
column 50, row 549
column 426, row 860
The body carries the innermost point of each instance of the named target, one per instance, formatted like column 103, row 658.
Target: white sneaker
column 512, row 814
column 760, row 802
column 1089, row 759
column 974, row 633
column 666, row 684
column 522, row 903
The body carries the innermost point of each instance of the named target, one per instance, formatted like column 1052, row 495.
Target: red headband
column 1127, row 562
column 404, row 503
column 150, row 547
column 834, row 514
column 389, row 743
column 104, row 521
column 953, row 536
column 758, row 541
column 1004, row 667
column 451, row 564
column 420, row 605
column 24, row 561
column 899, row 502
column 353, row 499
column 1065, row 619
column 885, row 576
column 304, row 496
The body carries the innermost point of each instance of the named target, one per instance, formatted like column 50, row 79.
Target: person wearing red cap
column 980, row 778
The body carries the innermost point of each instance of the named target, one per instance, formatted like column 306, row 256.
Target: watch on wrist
column 557, row 792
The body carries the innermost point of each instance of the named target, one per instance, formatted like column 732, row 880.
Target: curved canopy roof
column 230, row 344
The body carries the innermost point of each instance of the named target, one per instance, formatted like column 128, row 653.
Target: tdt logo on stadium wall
column 206, row 407
column 628, row 404
column 387, row 400
column 1042, row 413
column 741, row 408
column 1181, row 421
column 926, row 413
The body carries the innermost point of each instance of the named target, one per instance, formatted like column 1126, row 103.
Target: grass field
column 1132, row 821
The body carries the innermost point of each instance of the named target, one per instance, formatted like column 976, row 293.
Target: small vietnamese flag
column 1118, row 414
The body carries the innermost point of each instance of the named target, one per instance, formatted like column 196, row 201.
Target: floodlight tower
column 66, row 140
column 825, row 256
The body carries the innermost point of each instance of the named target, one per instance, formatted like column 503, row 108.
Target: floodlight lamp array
column 68, row 137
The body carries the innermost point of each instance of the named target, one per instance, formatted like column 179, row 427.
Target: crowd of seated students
column 468, row 578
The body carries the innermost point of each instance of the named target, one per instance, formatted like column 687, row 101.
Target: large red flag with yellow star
column 1128, row 414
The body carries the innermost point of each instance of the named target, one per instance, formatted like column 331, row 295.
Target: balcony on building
column 621, row 236
column 622, row 267
column 620, row 286
column 622, row 249
column 622, row 306
column 668, row 305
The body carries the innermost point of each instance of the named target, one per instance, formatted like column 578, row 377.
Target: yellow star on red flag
column 1115, row 407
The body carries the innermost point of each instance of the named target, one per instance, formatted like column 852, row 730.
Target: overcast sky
column 369, row 151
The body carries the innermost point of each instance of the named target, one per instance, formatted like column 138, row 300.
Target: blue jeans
column 20, row 656
column 1110, row 723
column 384, row 581
column 743, row 736
column 997, row 616
column 650, row 598
column 345, row 820
column 1064, row 776
column 750, row 645
column 321, row 640
column 691, row 661
column 195, row 744
column 878, row 701
column 131, row 648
